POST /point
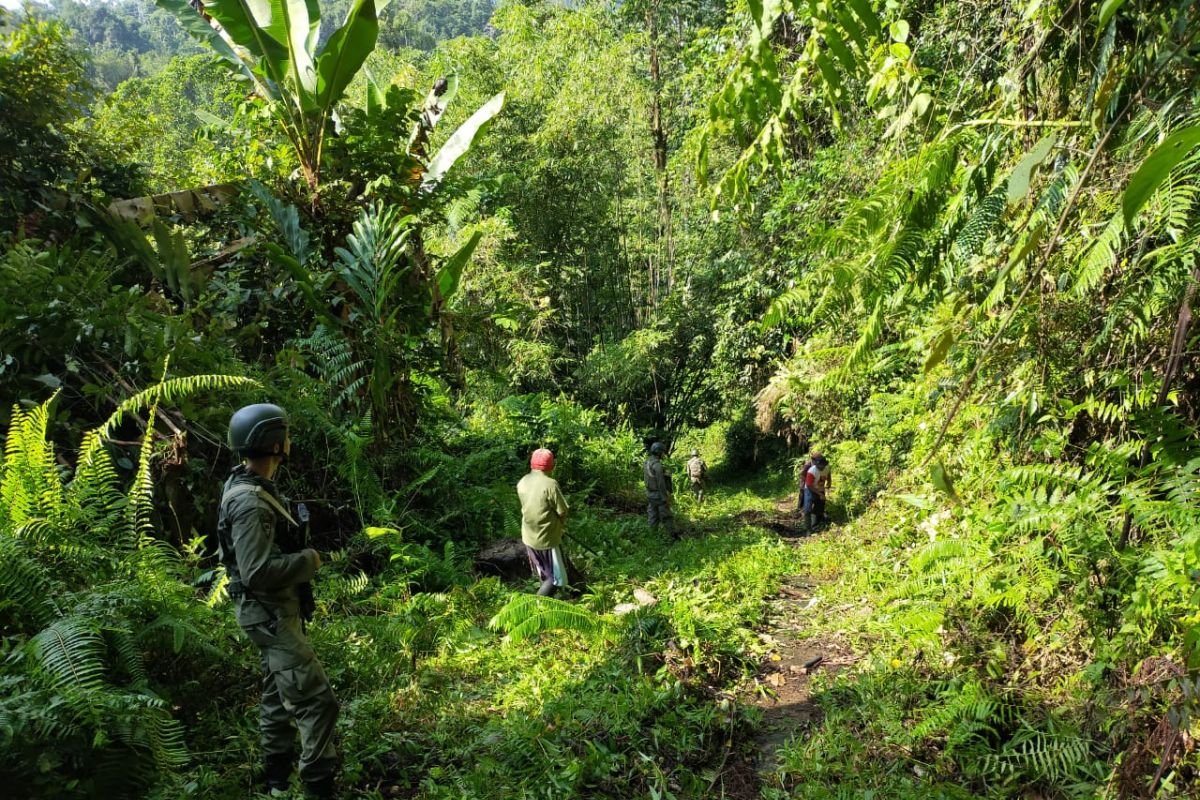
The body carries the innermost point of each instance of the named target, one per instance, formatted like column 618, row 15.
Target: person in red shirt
column 815, row 483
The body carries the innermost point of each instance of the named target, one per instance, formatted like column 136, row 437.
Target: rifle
column 304, row 591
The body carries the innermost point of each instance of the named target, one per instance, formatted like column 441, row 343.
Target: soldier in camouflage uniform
column 697, row 472
column 658, row 490
column 264, row 583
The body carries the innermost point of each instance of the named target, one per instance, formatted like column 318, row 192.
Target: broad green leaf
column 916, row 501
column 206, row 34
column 1107, row 9
column 940, row 349
column 764, row 15
column 943, row 480
column 862, row 10
column 245, row 22
column 1155, row 169
column 838, row 47
column 345, row 52
column 1022, row 174
column 460, row 142
column 451, row 273
column 295, row 23
column 376, row 100
column 899, row 31
column 833, row 81
column 304, row 281
column 851, row 27
column 209, row 118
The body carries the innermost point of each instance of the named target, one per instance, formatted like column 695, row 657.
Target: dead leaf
column 644, row 598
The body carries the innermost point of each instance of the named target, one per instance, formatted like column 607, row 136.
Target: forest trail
column 783, row 687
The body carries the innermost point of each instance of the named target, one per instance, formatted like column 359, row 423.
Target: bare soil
column 782, row 689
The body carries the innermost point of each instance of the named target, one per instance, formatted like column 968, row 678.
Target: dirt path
column 783, row 687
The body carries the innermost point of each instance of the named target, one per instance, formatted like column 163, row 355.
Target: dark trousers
column 814, row 504
column 295, row 694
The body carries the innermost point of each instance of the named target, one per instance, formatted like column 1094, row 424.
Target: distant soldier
column 264, row 583
column 697, row 472
column 658, row 490
column 543, row 513
column 815, row 482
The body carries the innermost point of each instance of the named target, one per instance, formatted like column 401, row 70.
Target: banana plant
column 273, row 44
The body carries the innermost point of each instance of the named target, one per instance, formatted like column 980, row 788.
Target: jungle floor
column 714, row 689
column 781, row 690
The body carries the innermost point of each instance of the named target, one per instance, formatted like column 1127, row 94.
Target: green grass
column 631, row 712
column 437, row 704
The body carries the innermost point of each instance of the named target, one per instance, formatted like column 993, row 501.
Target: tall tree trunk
column 664, row 250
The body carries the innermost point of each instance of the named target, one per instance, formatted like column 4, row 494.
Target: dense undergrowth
column 952, row 244
column 437, row 703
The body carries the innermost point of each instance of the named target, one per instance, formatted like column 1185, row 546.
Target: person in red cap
column 543, row 512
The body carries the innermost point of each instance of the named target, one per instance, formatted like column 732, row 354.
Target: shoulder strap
column 249, row 488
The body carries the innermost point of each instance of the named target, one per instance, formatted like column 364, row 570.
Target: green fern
column 1055, row 755
column 141, row 504
column 27, row 597
column 527, row 615
column 30, row 484
column 71, row 654
column 169, row 390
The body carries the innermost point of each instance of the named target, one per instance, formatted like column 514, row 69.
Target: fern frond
column 1100, row 257
column 124, row 646
column 868, row 336
column 169, row 391
column 30, row 485
column 982, row 222
column 527, row 615
column 70, row 653
column 26, row 592
column 141, row 494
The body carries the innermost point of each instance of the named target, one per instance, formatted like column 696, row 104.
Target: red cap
column 542, row 459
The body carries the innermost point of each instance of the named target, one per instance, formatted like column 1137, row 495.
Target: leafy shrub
column 87, row 595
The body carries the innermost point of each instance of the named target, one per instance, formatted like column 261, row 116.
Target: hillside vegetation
column 953, row 245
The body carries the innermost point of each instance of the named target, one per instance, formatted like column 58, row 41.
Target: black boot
column 320, row 789
column 277, row 771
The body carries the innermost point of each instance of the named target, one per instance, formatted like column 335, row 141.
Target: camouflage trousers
column 295, row 694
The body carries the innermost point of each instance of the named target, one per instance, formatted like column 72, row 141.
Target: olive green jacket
column 543, row 510
column 262, row 577
column 658, row 487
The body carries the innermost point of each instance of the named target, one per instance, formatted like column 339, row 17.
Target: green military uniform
column 658, row 494
column 262, row 583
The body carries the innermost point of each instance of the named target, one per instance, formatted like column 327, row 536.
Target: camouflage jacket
column 252, row 523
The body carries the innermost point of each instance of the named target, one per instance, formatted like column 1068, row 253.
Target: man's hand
column 315, row 556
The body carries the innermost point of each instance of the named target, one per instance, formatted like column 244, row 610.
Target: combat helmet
column 258, row 430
